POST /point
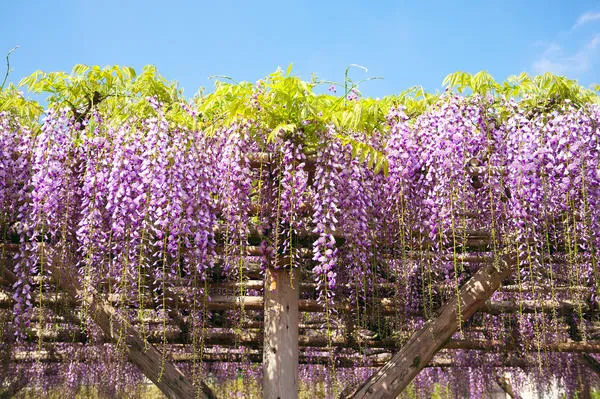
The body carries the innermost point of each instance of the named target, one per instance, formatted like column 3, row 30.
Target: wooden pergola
column 274, row 331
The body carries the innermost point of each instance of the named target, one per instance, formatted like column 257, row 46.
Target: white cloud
column 556, row 60
column 587, row 17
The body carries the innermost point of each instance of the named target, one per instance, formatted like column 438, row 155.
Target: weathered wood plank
column 280, row 351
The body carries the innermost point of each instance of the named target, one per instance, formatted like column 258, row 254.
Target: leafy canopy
column 531, row 91
column 279, row 106
column 283, row 105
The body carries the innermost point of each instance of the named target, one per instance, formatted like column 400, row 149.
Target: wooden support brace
column 280, row 351
column 592, row 363
column 168, row 378
column 505, row 385
column 391, row 379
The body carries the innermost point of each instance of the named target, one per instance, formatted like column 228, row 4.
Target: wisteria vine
column 150, row 214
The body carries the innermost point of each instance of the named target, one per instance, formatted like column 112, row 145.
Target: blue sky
column 406, row 42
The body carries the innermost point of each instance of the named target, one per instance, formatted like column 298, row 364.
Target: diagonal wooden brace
column 393, row 377
column 168, row 378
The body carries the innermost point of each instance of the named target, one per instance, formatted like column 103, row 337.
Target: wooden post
column 391, row 379
column 280, row 351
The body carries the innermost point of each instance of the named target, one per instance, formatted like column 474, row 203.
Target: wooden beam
column 280, row 350
column 499, row 346
column 58, row 356
column 391, row 379
column 213, row 356
column 254, row 338
column 385, row 306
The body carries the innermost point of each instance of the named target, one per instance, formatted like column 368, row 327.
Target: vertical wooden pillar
column 280, row 351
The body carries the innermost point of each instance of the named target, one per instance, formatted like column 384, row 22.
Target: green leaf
column 80, row 69
column 381, row 165
column 31, row 80
column 289, row 128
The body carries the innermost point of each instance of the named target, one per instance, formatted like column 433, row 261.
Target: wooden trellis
column 280, row 338
column 280, row 334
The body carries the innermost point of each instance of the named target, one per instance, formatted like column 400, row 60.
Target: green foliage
column 279, row 106
column 481, row 83
column 532, row 92
column 414, row 100
column 364, row 152
column 117, row 92
column 283, row 105
column 26, row 111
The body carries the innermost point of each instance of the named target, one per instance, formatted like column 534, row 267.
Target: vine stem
column 7, row 67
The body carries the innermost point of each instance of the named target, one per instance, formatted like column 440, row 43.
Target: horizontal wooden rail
column 219, row 354
column 384, row 306
column 253, row 338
